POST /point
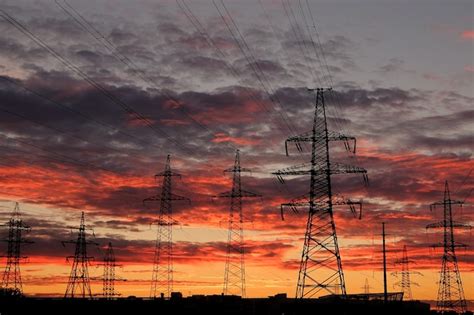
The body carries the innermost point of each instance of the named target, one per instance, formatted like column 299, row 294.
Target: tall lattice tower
column 162, row 277
column 234, row 273
column 405, row 282
column 366, row 286
column 79, row 281
column 450, row 291
column 320, row 267
column 109, row 277
column 12, row 275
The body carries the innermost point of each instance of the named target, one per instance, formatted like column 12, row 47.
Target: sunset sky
column 402, row 73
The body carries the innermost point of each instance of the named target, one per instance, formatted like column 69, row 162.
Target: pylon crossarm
column 166, row 221
column 293, row 206
column 170, row 197
column 336, row 168
column 289, row 170
column 340, row 201
column 455, row 245
column 249, row 194
column 461, row 225
column 442, row 203
column 339, row 168
column 168, row 173
column 242, row 194
column 441, row 224
column 332, row 136
column 22, row 227
column 237, row 169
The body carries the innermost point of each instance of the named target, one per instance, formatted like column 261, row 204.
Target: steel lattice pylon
column 450, row 291
column 162, row 277
column 234, row 273
column 79, row 281
column 12, row 275
column 320, row 267
column 366, row 286
column 108, row 280
column 405, row 283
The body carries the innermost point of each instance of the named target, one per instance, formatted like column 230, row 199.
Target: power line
column 252, row 62
column 114, row 99
column 21, row 116
column 63, row 156
column 100, row 123
column 99, row 37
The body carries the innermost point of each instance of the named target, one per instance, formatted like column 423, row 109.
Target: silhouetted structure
column 320, row 267
column 366, row 286
column 450, row 292
column 405, row 283
column 162, row 277
column 352, row 304
column 109, row 276
column 12, row 275
column 385, row 292
column 79, row 281
column 234, row 275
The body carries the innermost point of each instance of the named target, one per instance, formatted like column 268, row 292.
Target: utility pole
column 162, row 277
column 79, row 281
column 385, row 293
column 16, row 227
column 405, row 283
column 450, row 292
column 320, row 266
column 234, row 275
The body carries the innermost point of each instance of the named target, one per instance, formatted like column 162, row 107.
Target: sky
column 89, row 113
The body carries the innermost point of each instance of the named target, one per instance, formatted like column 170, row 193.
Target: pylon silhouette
column 162, row 277
column 450, row 292
column 79, row 281
column 12, row 275
column 321, row 266
column 109, row 277
column 366, row 286
column 234, row 274
column 405, row 283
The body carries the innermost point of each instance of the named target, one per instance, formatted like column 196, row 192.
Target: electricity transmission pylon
column 234, row 273
column 405, row 283
column 366, row 286
column 450, row 291
column 109, row 276
column 162, row 277
column 12, row 275
column 79, row 281
column 320, row 267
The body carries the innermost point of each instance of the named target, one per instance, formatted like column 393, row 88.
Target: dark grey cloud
column 393, row 65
